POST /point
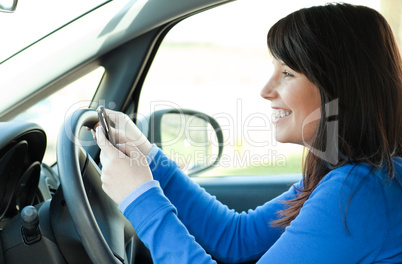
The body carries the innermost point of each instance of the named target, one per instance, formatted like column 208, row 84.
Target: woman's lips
column 279, row 114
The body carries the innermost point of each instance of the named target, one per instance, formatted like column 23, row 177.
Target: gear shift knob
column 30, row 219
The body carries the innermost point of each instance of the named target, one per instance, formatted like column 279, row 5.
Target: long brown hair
column 349, row 52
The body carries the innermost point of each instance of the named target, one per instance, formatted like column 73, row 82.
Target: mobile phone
column 105, row 124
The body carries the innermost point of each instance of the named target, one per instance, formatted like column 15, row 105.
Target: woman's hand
column 123, row 169
column 126, row 132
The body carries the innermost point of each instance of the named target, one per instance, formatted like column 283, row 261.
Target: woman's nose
column 268, row 91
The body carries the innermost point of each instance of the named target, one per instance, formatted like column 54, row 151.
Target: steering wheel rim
column 68, row 162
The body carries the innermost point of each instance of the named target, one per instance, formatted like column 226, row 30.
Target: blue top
column 179, row 221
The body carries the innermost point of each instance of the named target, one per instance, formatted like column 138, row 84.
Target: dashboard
column 22, row 146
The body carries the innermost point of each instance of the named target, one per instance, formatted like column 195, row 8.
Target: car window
column 51, row 111
column 33, row 20
column 218, row 66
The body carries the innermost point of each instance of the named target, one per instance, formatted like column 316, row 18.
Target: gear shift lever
column 30, row 220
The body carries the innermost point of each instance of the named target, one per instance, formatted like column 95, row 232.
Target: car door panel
column 242, row 193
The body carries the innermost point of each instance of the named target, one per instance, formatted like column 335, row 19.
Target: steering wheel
column 106, row 235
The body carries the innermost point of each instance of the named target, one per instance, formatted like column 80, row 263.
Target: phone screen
column 105, row 124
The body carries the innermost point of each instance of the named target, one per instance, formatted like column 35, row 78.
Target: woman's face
column 295, row 102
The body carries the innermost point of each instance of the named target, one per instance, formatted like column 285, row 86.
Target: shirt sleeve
column 227, row 235
column 137, row 193
column 155, row 220
column 144, row 187
column 152, row 153
column 181, row 223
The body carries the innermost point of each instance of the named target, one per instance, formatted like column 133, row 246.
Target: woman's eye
column 287, row 74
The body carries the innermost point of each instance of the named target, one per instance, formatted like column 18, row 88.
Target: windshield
column 34, row 19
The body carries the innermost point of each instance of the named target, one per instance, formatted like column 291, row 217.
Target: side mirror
column 193, row 139
column 8, row 6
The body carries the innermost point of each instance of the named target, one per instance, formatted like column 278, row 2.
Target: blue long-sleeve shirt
column 353, row 216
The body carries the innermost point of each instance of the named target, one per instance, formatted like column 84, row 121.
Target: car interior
column 128, row 56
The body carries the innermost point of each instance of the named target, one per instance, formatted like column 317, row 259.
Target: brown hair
column 349, row 52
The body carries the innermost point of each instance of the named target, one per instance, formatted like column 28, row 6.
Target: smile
column 278, row 114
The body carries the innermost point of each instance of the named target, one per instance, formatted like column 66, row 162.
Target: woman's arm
column 227, row 235
column 155, row 220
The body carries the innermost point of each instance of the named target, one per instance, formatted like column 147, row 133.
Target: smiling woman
column 240, row 68
column 60, row 59
column 337, row 88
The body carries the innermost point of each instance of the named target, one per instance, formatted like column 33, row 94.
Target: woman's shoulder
column 363, row 186
column 355, row 173
column 358, row 205
column 363, row 190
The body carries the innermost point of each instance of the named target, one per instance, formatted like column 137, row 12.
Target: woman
column 336, row 89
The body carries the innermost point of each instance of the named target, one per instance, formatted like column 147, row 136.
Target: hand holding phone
column 105, row 124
